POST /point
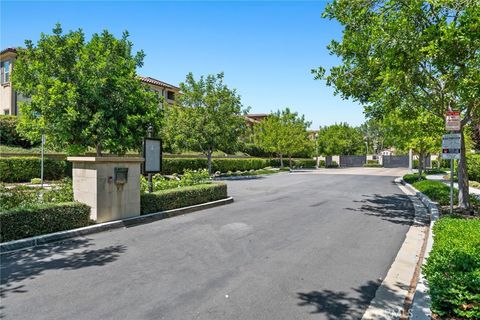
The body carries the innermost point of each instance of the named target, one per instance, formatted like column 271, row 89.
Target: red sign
column 452, row 121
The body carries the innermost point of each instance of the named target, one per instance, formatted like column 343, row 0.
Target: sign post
column 451, row 150
column 152, row 152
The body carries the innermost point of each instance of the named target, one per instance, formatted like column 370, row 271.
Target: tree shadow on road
column 16, row 267
column 339, row 305
column 395, row 208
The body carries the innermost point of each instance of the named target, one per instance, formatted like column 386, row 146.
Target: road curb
column 125, row 223
column 394, row 294
column 420, row 307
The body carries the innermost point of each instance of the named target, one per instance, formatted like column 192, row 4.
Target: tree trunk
column 463, row 194
column 290, row 161
column 98, row 148
column 281, row 160
column 209, row 161
column 421, row 158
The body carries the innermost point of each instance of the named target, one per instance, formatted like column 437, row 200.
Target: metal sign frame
column 144, row 166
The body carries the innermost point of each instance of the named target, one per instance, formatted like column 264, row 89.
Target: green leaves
column 207, row 116
column 283, row 132
column 84, row 94
column 340, row 139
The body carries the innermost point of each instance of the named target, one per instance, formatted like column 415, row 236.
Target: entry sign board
column 451, row 146
column 152, row 152
column 452, row 121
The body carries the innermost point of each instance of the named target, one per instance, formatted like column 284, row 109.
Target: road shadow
column 18, row 266
column 394, row 208
column 340, row 305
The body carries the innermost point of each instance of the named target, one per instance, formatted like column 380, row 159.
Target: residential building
column 165, row 90
column 9, row 98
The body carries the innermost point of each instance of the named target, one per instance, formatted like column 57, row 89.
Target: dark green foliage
column 23, row 169
column 453, row 268
column 41, row 219
column 304, row 163
column 436, row 170
column 182, row 197
column 413, row 177
column 253, row 150
column 9, row 135
column 332, row 164
column 435, row 190
column 444, row 163
column 321, row 164
column 473, row 164
column 24, row 196
column 372, row 165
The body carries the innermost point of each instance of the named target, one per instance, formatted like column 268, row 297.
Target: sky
column 265, row 48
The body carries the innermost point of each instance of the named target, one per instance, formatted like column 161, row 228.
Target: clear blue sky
column 266, row 48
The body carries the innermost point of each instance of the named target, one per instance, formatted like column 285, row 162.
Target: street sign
column 452, row 121
column 451, row 145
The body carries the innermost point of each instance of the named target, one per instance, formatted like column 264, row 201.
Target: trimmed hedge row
column 41, row 219
column 182, row 197
column 23, row 169
column 453, row 268
column 473, row 163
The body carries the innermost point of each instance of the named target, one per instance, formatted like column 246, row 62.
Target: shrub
column 332, row 164
column 23, row 169
column 372, row 165
column 473, row 163
column 189, row 178
column 372, row 162
column 321, row 164
column 304, row 163
column 453, row 268
column 24, row 196
column 435, row 190
column 41, row 219
column 413, row 177
column 182, row 197
column 9, row 135
column 35, row 181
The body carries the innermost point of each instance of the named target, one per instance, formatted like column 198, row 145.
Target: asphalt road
column 291, row 246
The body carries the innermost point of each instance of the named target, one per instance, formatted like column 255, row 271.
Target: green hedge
column 9, row 135
column 435, row 190
column 453, row 268
column 473, row 163
column 372, row 165
column 37, row 220
column 414, row 177
column 23, row 169
column 182, row 197
column 296, row 163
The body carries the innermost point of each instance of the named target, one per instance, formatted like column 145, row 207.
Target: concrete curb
column 125, row 223
column 420, row 309
column 396, row 289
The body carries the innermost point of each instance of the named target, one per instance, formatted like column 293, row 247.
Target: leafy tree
column 340, row 139
column 374, row 134
column 83, row 94
column 207, row 116
column 418, row 130
column 283, row 132
column 398, row 54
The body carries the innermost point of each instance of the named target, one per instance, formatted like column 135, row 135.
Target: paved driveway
column 292, row 246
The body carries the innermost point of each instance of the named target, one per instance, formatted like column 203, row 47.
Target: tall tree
column 399, row 53
column 340, row 139
column 417, row 129
column 206, row 116
column 84, row 93
column 283, row 132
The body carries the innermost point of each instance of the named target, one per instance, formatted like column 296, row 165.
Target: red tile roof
column 159, row 83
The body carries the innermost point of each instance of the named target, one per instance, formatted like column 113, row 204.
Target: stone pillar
column 100, row 182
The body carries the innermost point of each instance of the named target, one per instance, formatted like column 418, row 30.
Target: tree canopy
column 409, row 55
column 84, row 94
column 340, row 139
column 207, row 116
column 283, row 132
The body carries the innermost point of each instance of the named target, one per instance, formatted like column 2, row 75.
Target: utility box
column 109, row 185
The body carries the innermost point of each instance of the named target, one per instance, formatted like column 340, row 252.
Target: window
column 6, row 112
column 5, row 76
column 170, row 95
